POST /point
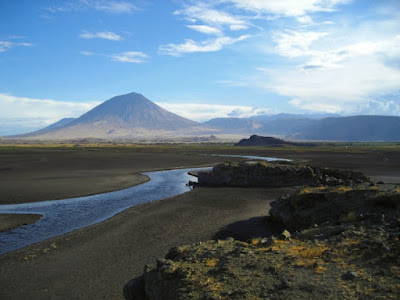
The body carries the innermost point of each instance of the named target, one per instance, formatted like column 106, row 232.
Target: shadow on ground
column 243, row 230
column 246, row 230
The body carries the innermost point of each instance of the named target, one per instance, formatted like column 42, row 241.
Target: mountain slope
column 355, row 128
column 263, row 125
column 126, row 116
column 134, row 111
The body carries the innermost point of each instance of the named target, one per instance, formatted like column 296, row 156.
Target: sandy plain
column 96, row 262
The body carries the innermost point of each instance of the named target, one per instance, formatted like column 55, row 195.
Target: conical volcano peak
column 123, row 102
column 129, row 98
column 128, row 115
column 133, row 110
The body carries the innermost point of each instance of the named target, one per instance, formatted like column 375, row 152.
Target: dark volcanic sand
column 11, row 221
column 97, row 261
column 51, row 175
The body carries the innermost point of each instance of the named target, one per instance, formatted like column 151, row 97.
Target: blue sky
column 200, row 59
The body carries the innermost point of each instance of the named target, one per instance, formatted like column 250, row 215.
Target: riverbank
column 11, row 221
column 38, row 174
column 31, row 176
column 96, row 262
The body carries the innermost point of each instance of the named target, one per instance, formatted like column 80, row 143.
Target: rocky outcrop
column 332, row 241
column 256, row 140
column 333, row 206
column 351, row 251
column 277, row 174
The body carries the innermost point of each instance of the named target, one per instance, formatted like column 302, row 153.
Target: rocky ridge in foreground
column 343, row 243
column 278, row 174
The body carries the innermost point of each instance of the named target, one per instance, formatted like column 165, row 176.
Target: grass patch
column 310, row 190
column 203, row 147
column 211, row 262
column 343, row 188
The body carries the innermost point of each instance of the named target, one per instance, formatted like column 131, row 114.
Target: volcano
column 126, row 116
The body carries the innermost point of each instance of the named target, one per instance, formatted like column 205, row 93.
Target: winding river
column 62, row 216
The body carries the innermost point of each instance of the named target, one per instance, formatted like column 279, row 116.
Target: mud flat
column 37, row 175
column 97, row 262
column 11, row 221
column 30, row 176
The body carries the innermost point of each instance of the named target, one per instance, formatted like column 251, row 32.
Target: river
column 62, row 216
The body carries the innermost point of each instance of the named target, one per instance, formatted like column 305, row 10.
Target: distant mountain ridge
column 354, row 128
column 133, row 116
column 300, row 127
column 263, row 125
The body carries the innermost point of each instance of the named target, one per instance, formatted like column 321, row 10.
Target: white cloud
column 37, row 113
column 204, row 112
column 207, row 15
column 115, row 7
column 292, row 43
column 209, row 20
column 205, row 29
column 87, row 53
column 125, row 57
column 343, row 89
column 289, row 8
column 130, row 57
column 7, row 45
column 305, row 20
column 107, row 35
column 236, row 27
column 336, row 71
column 191, row 46
column 19, row 126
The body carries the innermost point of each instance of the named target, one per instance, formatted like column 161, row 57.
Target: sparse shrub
column 343, row 188
column 211, row 262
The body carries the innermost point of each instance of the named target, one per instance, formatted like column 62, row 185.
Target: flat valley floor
column 96, row 262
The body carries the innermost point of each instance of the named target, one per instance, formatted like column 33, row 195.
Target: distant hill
column 294, row 116
column 256, row 140
column 61, row 123
column 302, row 127
column 126, row 116
column 355, row 128
column 284, row 124
column 133, row 116
column 56, row 125
column 235, row 125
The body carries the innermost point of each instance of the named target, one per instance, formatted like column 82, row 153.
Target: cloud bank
column 22, row 115
column 202, row 112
